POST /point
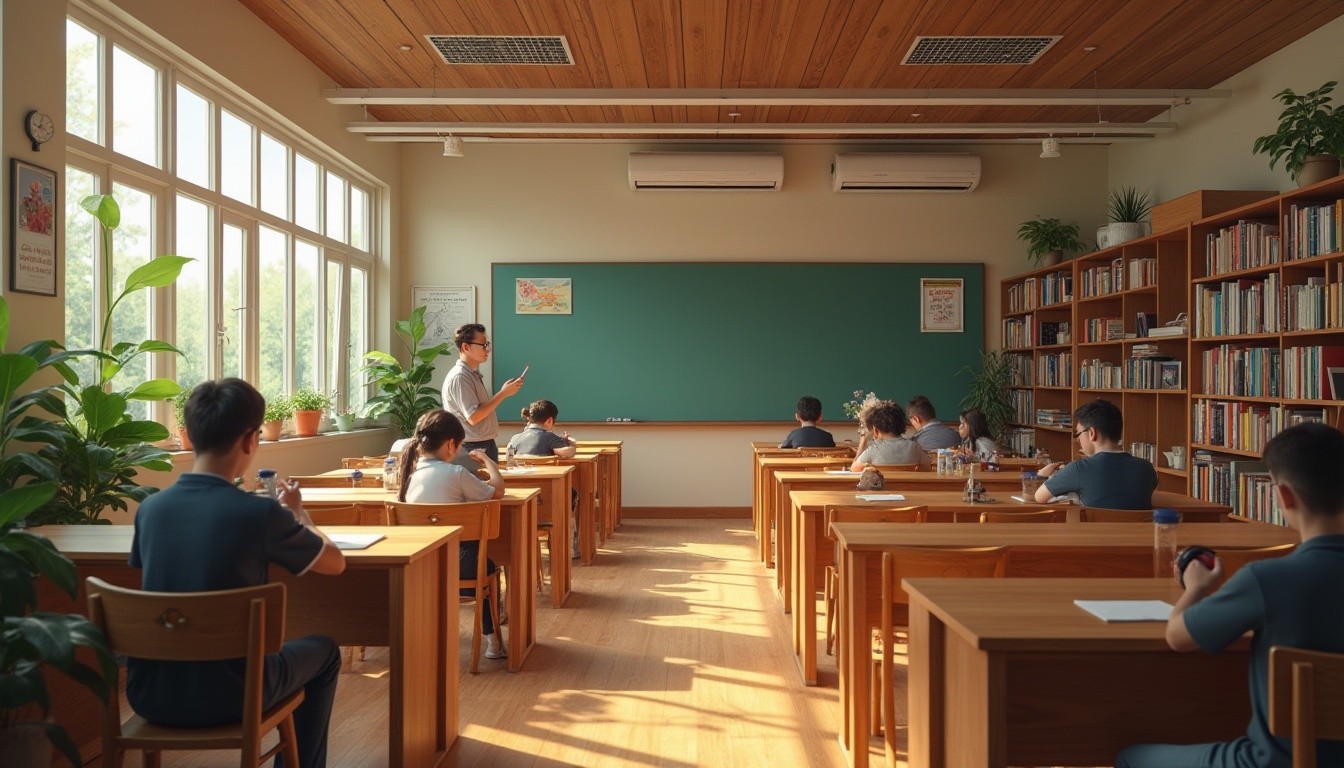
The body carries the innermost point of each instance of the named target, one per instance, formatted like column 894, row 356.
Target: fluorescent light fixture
column 1049, row 147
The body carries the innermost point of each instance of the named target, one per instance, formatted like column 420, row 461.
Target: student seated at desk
column 202, row 535
column 1108, row 477
column 1294, row 600
column 975, row 436
column 428, row 476
column 539, row 439
column 808, row 434
column 884, row 423
column 930, row 433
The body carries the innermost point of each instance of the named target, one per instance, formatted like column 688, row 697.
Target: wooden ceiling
column 798, row 45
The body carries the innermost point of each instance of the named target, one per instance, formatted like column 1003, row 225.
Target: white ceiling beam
column 742, row 97
column 763, row 129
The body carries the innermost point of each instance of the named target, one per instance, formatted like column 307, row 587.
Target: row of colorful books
column 1236, row 370
column 1245, row 426
column 1055, row 370
column 1313, row 230
column 1243, row 245
column 1238, row 307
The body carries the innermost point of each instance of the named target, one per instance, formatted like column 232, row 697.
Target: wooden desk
column 1010, row 672
column 513, row 549
column 764, row 467
column 612, row 452
column 553, row 504
column 587, row 467
column 400, row 592
column 1094, row 550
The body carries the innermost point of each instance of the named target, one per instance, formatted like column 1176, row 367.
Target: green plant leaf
column 417, row 326
column 104, row 208
column 157, row 273
column 17, row 503
column 382, row 357
column 45, row 559
column 60, row 739
column 154, row 345
column 101, row 410
column 14, row 371
column 130, row 432
column 155, row 389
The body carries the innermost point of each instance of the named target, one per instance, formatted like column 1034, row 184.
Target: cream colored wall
column 572, row 202
column 1212, row 147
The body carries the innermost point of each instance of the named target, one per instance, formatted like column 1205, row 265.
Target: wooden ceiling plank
column 704, row 24
column 810, row 72
column 349, row 39
column 849, row 58
column 892, row 35
column 660, row 39
column 291, row 25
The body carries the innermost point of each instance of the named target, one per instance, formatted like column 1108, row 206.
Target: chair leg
column 496, row 594
column 153, row 758
column 874, row 699
column 290, row 741
column 476, row 634
column 830, row 588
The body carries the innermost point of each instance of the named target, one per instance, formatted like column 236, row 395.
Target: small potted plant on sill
column 179, row 417
column 1048, row 239
column 278, row 409
column 345, row 419
column 309, row 405
column 1128, row 209
column 1310, row 136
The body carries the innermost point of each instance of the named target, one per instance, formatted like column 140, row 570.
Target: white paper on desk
column 880, row 497
column 355, row 540
column 1127, row 610
column 842, row 472
column 515, row 470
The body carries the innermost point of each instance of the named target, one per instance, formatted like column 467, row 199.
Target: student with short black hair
column 202, row 534
column 1294, row 600
column 884, row 424
column 808, row 434
column 930, row 433
column 1107, row 477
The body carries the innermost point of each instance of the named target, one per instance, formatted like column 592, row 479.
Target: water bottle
column 390, row 473
column 1164, row 541
column 266, row 482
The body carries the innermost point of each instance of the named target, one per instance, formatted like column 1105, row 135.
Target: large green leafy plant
column 97, row 458
column 1308, row 126
column 989, row 391
column 32, row 639
column 404, row 393
column 1045, row 235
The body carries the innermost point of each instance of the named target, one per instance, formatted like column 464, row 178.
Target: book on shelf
column 1163, row 331
column 1143, row 321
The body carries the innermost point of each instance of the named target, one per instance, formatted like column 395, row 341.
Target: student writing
column 975, row 436
column 538, row 438
column 1108, row 477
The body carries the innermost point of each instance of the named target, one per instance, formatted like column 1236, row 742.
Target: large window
column 280, row 233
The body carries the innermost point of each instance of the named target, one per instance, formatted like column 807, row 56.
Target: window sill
column 332, row 438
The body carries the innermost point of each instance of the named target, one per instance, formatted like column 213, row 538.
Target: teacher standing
column 466, row 396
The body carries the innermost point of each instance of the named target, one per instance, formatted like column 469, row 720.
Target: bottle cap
column 265, row 473
column 1166, row 516
column 1029, row 475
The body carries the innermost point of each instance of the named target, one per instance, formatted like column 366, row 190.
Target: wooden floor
column 673, row 651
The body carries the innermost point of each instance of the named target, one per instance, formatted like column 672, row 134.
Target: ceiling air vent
column 502, row 49
column 978, row 50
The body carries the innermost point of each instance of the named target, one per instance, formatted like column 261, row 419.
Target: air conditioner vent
column 905, row 172
column 706, row 171
column 502, row 49
column 978, row 50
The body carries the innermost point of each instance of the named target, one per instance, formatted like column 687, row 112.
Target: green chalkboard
column 680, row 341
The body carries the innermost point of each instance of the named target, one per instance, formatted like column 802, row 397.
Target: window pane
column 233, row 312
column 235, row 165
column 192, row 291
column 332, row 313
column 336, row 208
column 271, row 283
column 274, row 177
column 359, row 219
column 81, row 82
column 359, row 335
column 81, row 244
column 135, row 108
column 306, row 328
column 133, row 246
column 305, row 192
column 193, row 137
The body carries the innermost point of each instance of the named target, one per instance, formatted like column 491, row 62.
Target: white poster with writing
column 940, row 305
column 446, row 308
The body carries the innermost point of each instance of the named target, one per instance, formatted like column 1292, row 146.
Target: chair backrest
column 536, row 460
column 479, row 519
column 1233, row 559
column 349, row 514
column 1100, row 515
column 336, row 481
column 839, row 451
column 842, row 513
column 364, row 462
column 885, row 468
column 938, row 563
column 1306, row 699
column 1006, row 516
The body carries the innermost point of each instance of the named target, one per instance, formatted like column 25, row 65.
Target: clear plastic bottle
column 1165, row 522
column 390, row 477
column 266, row 483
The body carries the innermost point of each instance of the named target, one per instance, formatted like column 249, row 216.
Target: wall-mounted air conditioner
column 904, row 172
column 715, row 171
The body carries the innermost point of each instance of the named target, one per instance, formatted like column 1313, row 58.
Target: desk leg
column 855, row 656
column 422, row 645
column 522, row 631
column 562, row 532
column 804, row 560
column 926, row 680
column 783, row 546
column 587, row 517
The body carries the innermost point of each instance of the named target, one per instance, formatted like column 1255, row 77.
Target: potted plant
column 309, row 405
column 31, row 640
column 404, row 393
column 1048, row 239
column 989, row 391
column 345, row 419
column 278, row 409
column 179, row 417
column 1128, row 209
column 1310, row 136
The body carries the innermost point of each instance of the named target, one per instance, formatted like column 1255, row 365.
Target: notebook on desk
column 355, row 540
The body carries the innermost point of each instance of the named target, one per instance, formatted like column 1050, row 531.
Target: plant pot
column 183, row 438
column 1317, row 168
column 306, row 423
column 345, row 422
column 1051, row 258
column 270, row 430
column 25, row 745
column 1120, row 232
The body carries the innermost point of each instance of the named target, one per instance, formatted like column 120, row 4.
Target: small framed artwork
column 32, row 227
column 1171, row 374
column 1336, row 383
column 544, row 296
column 940, row 305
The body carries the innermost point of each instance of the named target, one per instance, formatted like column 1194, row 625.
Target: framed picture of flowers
column 32, row 251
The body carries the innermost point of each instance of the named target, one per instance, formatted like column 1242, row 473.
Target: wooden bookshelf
column 1262, row 290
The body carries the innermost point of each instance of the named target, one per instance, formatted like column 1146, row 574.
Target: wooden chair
column 536, row 461
column 910, row 563
column 243, row 623
column 839, row 451
column 1101, row 515
column 349, row 514
column 1043, row 516
column 364, row 462
column 1234, row 559
column 1306, row 699
column 480, row 522
column 885, row 468
column 336, row 481
column 841, row 513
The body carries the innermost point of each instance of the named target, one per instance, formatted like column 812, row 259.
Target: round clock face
column 40, row 126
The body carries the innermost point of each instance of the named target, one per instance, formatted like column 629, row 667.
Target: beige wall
column 572, row 202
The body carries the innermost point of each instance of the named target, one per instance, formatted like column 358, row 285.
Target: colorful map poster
column 544, row 296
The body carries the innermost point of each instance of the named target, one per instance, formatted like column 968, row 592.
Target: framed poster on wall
column 446, row 308
column 940, row 305
column 32, row 227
